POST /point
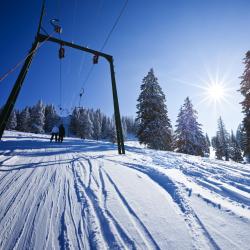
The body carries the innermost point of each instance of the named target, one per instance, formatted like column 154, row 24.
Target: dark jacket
column 61, row 131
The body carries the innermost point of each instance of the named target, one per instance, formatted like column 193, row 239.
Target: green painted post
column 120, row 139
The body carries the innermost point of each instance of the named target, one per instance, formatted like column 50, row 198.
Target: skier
column 54, row 132
column 61, row 133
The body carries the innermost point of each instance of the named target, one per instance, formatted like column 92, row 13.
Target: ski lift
column 95, row 59
column 80, row 97
column 56, row 25
column 81, row 93
column 61, row 52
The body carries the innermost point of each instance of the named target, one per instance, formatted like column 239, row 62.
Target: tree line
column 93, row 124
column 82, row 122
column 154, row 127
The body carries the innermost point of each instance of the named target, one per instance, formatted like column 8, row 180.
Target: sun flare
column 216, row 92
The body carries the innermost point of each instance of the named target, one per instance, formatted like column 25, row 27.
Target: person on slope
column 54, row 132
column 61, row 133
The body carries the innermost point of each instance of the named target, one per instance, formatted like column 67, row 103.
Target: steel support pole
column 120, row 139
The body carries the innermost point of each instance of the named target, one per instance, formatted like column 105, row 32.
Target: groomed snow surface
column 83, row 195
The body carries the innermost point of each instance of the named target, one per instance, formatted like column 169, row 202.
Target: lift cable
column 98, row 11
column 74, row 97
column 114, row 25
column 74, row 18
column 107, row 38
column 60, row 88
column 80, row 97
column 10, row 71
column 61, row 54
column 106, row 41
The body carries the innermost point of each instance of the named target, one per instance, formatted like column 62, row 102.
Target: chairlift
column 95, row 59
column 55, row 23
column 61, row 52
column 80, row 97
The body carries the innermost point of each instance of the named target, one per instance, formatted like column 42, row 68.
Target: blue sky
column 188, row 43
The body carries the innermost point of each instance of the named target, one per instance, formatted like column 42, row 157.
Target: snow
column 82, row 195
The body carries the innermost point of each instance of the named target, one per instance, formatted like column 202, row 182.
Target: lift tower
column 5, row 114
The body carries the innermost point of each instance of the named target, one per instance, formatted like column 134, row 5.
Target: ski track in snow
column 82, row 195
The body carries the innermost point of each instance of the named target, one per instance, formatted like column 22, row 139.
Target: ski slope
column 83, row 195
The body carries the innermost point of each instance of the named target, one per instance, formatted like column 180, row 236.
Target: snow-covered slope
column 83, row 195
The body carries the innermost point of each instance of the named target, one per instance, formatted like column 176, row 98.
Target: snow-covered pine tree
column 74, row 121
column 51, row 118
column 84, row 126
column 130, row 124
column 91, row 114
column 189, row 138
column 88, row 126
column 81, row 123
column 154, row 127
column 218, row 149
column 245, row 91
column 12, row 122
column 208, row 140
column 105, row 127
column 235, row 151
column 97, row 125
column 241, row 137
column 207, row 145
column 112, row 131
column 24, row 120
column 124, row 128
column 223, row 140
column 18, row 113
column 37, row 118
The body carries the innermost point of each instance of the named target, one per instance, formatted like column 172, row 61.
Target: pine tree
column 207, row 145
column 18, row 113
column 112, row 131
column 154, row 128
column 24, row 120
column 245, row 91
column 87, row 126
column 216, row 145
column 12, row 122
column 84, row 128
column 80, row 124
column 131, row 125
column 235, row 151
column 189, row 138
column 97, row 124
column 37, row 118
column 222, row 141
column 124, row 128
column 208, row 140
column 105, row 127
column 74, row 121
column 51, row 118
column 241, row 137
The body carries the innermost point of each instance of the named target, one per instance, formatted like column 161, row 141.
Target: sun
column 216, row 92
column 214, row 89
